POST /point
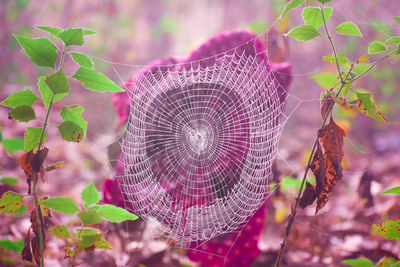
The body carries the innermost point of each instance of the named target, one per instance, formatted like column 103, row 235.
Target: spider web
column 156, row 92
column 200, row 142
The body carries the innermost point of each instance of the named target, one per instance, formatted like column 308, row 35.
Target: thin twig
column 321, row 7
column 35, row 176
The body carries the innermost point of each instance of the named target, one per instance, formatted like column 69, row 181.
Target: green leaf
column 87, row 32
column 86, row 231
column 61, row 204
column 324, row 79
column 397, row 19
column 394, row 190
column 312, row 16
column 16, row 246
column 89, row 217
column 23, row 113
column 47, row 93
column 13, row 145
column 388, row 229
column 21, row 98
column 360, row 262
column 90, row 195
column 89, row 240
column 292, row 4
column 41, row 51
column 342, row 59
column 103, row 244
column 324, row 1
column 96, row 81
column 10, row 202
column 60, row 231
column 57, row 82
column 393, row 40
column 74, row 114
column 361, row 68
column 72, row 36
column 82, row 59
column 367, row 106
column 348, row 28
column 116, row 214
column 70, row 131
column 304, row 33
column 32, row 138
column 376, row 47
column 54, row 31
column 9, row 180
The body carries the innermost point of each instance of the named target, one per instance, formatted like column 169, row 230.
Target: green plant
column 326, row 155
column 52, row 88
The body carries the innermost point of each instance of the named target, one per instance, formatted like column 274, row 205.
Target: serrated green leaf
column 388, row 229
column 304, row 33
column 397, row 19
column 324, row 1
column 70, row 131
column 41, row 51
column 61, row 204
column 348, row 28
column 116, row 214
column 96, row 81
column 342, row 59
column 72, row 36
column 60, row 231
column 10, row 202
column 360, row 262
column 9, row 180
column 54, row 31
column 394, row 190
column 376, row 47
column 90, row 195
column 367, row 106
column 291, row 5
column 87, row 32
column 21, row 98
column 82, row 59
column 393, row 40
column 13, row 145
column 22, row 114
column 89, row 217
column 325, row 80
column 89, row 240
column 57, row 82
column 32, row 138
column 312, row 16
column 74, row 114
column 47, row 93
column 103, row 244
column 16, row 246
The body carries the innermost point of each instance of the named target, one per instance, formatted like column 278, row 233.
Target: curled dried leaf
column 326, row 165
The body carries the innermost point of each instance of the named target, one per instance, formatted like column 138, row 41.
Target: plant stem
column 321, row 7
column 373, row 65
column 35, row 176
column 76, row 249
column 293, row 213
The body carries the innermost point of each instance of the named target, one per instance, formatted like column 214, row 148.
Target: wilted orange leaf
column 326, row 165
column 32, row 163
column 26, row 251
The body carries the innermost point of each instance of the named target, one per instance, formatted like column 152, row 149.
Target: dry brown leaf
column 326, row 165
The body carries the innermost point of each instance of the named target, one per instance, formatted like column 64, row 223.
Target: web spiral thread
column 200, row 143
